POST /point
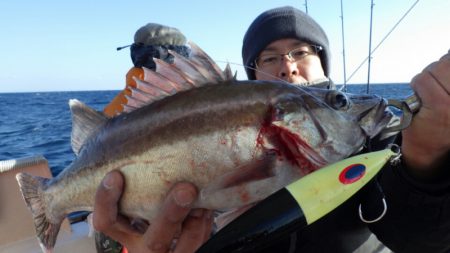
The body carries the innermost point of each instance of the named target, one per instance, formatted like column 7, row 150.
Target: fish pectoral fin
column 255, row 170
column 248, row 178
column 240, row 195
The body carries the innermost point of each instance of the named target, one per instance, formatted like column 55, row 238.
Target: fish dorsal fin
column 155, row 81
column 183, row 74
column 85, row 122
column 228, row 73
column 208, row 65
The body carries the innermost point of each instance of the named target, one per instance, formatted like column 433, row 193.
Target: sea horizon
column 117, row 90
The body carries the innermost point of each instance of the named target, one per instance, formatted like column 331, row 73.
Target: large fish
column 237, row 141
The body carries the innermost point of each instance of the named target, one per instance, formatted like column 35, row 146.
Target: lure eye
column 338, row 100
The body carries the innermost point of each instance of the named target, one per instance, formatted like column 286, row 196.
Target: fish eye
column 338, row 100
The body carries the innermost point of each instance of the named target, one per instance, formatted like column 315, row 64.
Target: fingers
column 174, row 220
column 196, row 230
column 446, row 56
column 435, row 74
column 209, row 220
column 169, row 220
column 441, row 72
column 423, row 144
column 105, row 216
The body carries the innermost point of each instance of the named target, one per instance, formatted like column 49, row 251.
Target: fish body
column 237, row 141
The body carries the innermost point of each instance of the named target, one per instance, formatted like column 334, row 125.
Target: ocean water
column 39, row 123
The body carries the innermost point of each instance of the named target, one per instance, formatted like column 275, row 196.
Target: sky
column 53, row 45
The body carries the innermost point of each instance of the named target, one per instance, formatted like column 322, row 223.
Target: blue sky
column 71, row 45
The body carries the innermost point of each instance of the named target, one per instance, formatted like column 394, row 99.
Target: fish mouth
column 375, row 119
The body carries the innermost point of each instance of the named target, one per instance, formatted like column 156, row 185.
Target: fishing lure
column 300, row 203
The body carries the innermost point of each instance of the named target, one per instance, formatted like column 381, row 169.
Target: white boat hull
column 17, row 233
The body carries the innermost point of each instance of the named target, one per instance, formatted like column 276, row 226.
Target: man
column 284, row 43
column 150, row 41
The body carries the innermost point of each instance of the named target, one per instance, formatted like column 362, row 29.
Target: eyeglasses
column 268, row 61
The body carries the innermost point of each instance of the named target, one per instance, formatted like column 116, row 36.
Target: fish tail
column 33, row 194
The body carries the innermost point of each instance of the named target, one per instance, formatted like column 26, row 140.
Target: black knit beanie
column 282, row 23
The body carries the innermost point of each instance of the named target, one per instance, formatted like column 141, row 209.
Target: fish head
column 321, row 126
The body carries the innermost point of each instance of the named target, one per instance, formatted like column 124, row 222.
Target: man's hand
column 426, row 142
column 177, row 227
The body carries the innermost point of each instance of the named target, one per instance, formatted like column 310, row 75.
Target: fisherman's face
column 290, row 60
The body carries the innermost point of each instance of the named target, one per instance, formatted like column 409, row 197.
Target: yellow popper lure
column 298, row 204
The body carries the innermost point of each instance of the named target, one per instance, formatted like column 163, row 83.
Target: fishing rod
column 370, row 47
column 384, row 38
column 343, row 47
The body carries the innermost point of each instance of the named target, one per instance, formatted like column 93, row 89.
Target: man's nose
column 288, row 67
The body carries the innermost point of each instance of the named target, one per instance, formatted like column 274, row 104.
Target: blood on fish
column 244, row 195
column 292, row 140
column 287, row 145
